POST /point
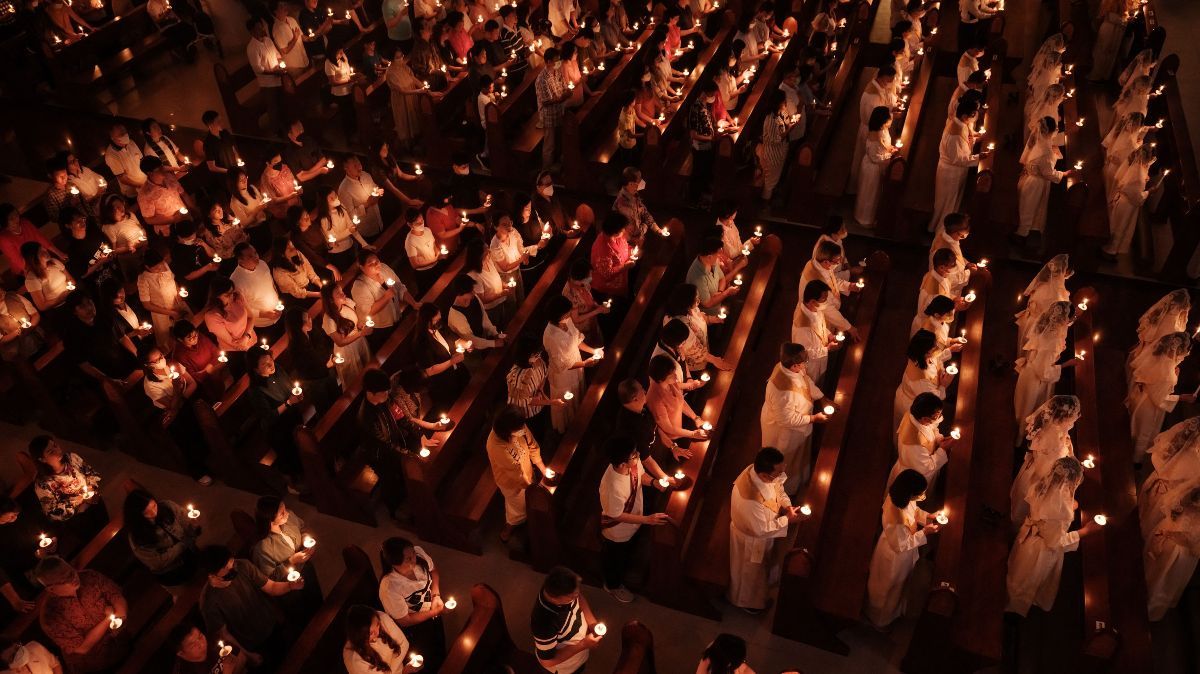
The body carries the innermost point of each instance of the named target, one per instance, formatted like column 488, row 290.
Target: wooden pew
column 143, row 435
column 803, row 198
column 547, row 504
column 978, row 204
column 637, row 650
column 512, row 132
column 665, row 581
column 753, row 108
column 115, row 48
column 942, row 615
column 664, row 140
column 797, row 616
column 1175, row 151
column 319, row 648
column 438, row 116
column 1087, row 208
column 449, row 491
column 484, row 645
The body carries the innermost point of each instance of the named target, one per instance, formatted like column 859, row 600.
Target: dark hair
column 375, row 380
column 943, row 257
column 528, row 344
column 142, row 531
column 627, row 389
column 956, row 221
column 463, row 285
column 661, row 367
column 766, row 460
column 358, row 636
column 919, row 346
column 674, row 333
column 213, row 558
column 211, row 116
column 880, row 117
column 792, row 354
column 618, row 449
column 343, row 325
column 925, row 405
column 827, row 250
column 725, row 654
column 711, row 245
column 265, row 510
column 391, row 553
column 681, row 300
column 508, row 421
column 908, row 485
column 613, row 223
column 939, row 306
column 560, row 582
column 580, row 269
column 814, row 290
column 219, row 286
column 965, row 108
column 558, row 308
column 8, row 505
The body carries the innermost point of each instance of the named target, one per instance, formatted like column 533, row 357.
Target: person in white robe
column 563, row 343
column 1169, row 314
column 923, row 374
column 938, row 317
column 1048, row 287
column 968, row 63
column 1135, row 97
column 1152, row 396
column 1048, row 431
column 1046, row 105
column 937, row 281
column 1115, row 16
column 1044, row 58
column 1142, row 65
column 759, row 514
column 1175, row 456
column 788, row 413
column 877, row 154
column 1037, row 176
column 834, row 231
column 288, row 39
column 1038, row 370
column 880, row 91
column 1122, row 141
column 1035, row 563
column 824, row 267
column 811, row 330
column 1047, row 75
column 1172, row 551
column 956, row 227
column 905, row 529
column 975, row 83
column 1131, row 189
column 955, row 158
column 920, row 446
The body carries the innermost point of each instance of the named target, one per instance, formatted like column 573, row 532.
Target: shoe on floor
column 621, row 594
column 205, row 480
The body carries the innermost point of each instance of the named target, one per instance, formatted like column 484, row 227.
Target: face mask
column 641, row 185
column 20, row 657
column 547, row 191
column 277, row 165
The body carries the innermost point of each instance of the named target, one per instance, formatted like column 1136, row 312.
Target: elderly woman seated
column 83, row 614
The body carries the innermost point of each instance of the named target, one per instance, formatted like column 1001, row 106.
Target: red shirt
column 439, row 223
column 198, row 357
column 609, row 273
column 10, row 244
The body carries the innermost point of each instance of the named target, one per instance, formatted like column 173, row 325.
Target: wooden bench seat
column 485, row 645
column 637, row 650
column 318, row 650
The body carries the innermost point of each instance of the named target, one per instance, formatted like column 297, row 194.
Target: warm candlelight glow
column 706, row 426
column 952, row 369
column 840, row 337
column 415, row 660
column 568, row 396
column 679, row 474
column 451, row 604
column 114, row 622
column 1079, row 165
column 956, row 433
column 705, row 377
column 828, row 409
column 1089, row 462
column 293, row 575
column 370, row 322
column 970, row 296
column 806, row 510
column 737, row 280
column 550, row 474
column 983, row 263
column 861, row 283
column 600, row 629
column 942, row 518
column 45, row 541
column 1102, row 520
column 297, row 390
column 424, row 453
column 664, row 482
column 222, row 357
column 264, row 346
column 309, row 541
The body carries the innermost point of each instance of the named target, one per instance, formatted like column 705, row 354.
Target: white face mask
column 641, row 185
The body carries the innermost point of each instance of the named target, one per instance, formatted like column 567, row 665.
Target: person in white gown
column 1115, row 16
column 1175, row 456
column 877, row 154
column 1046, row 69
column 1039, row 369
column 937, row 281
column 880, row 91
column 1122, row 141
column 811, row 330
column 956, row 227
column 969, row 62
column 955, row 158
column 374, row 643
column 920, row 446
column 939, row 316
column 1045, row 105
column 563, row 343
column 1048, row 287
column 1142, row 65
column 1048, row 430
column 1035, row 563
column 1130, row 191
column 1169, row 314
column 1152, row 396
column 905, row 529
column 759, row 514
column 1172, row 551
column 824, row 266
column 792, row 403
column 1038, row 175
column 1135, row 97
column 922, row 374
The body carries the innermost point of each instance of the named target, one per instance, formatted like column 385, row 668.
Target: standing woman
column 905, row 529
column 411, row 595
column 162, row 537
column 1172, row 551
column 246, row 201
column 684, row 304
column 281, row 548
column 306, row 236
column 1122, row 141
column 339, row 229
column 1039, row 369
column 126, row 233
column 772, row 154
column 879, row 151
column 405, row 88
column 421, row 248
column 1116, row 15
column 1035, row 563
column 1049, row 433
column 1142, row 65
column 1169, row 314
column 1048, row 287
column 1151, row 396
column 1125, row 205
column 509, row 252
column 1135, row 97
column 339, row 320
column 170, row 387
column 387, row 172
column 1175, row 456
column 563, row 343
column 923, row 374
column 584, row 307
column 439, row 359
column 1033, row 187
column 513, row 454
column 494, row 294
column 312, row 357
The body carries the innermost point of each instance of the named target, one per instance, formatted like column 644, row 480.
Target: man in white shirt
column 563, row 15
column 124, row 159
column 880, row 92
column 823, row 266
column 252, row 278
column 788, row 412
column 288, row 39
column 810, row 329
column 377, row 292
column 621, row 512
column 267, row 64
column 359, row 193
column 969, row 63
column 759, row 514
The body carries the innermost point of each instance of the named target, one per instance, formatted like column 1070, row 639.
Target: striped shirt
column 554, row 627
column 524, row 383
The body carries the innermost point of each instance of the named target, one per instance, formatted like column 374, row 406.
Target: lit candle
column 983, row 263
column 679, row 474
column 296, row 389
column 705, row 377
column 26, row 323
column 951, row 369
column 223, row 649
column 354, row 219
column 183, row 292
column 745, row 251
column 597, row 354
column 840, row 337
column 174, row 373
column 664, row 482
column 1079, row 122
column 1081, row 354
column 899, row 144
column 599, row 629
column 338, row 358
column 1102, row 520
column 370, row 322
column 444, row 250
column 309, row 541
column 991, row 146
column 634, row 254
column 424, row 453
column 235, row 222
column 331, row 238
column 45, row 541
column 941, row 518
column 114, row 622
column 241, row 162
column 463, row 216
column 451, row 604
column 705, row 426
column 1079, row 165
column 608, row 303
column 512, row 283
column 861, row 283
column 571, row 86
column 970, row 296
column 293, row 575
column 279, row 306
column 550, row 474
column 956, row 433
column 222, row 358
column 568, row 396
column 722, row 314
column 390, row 282
column 264, row 346
column 1083, row 304
column 758, row 230
column 1089, row 462
column 806, row 510
column 444, row 420
column 74, row 190
column 600, row 67
column 70, row 285
column 417, row 169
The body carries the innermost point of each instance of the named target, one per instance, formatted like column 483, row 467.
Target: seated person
column 78, row 615
column 236, row 604
column 195, row 654
column 30, row 656
column 95, row 345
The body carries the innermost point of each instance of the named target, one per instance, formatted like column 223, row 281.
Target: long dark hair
column 265, row 510
column 219, row 286
column 358, row 636
column 344, row 325
column 141, row 530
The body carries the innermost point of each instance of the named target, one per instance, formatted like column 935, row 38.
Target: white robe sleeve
column 917, row 458
column 899, row 539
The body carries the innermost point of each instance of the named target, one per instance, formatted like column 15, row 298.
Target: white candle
column 550, row 474
column 745, row 251
column 192, row 512
column 597, row 354
column 1083, row 304
column 679, row 474
column 1081, row 354
column 338, row 358
column 758, row 230
column 241, row 162
column 417, row 170
column 45, row 541
column 223, row 649
column 444, row 250
column 329, row 164
column 722, row 314
column 354, row 219
column 1102, row 520
column 941, row 517
column 390, row 282
column 664, row 482
column 296, row 389
column 444, row 420
column 424, row 453
column 600, row 629
column 806, row 510
column 279, row 306
column 264, row 346
column 331, row 238
column 861, row 283
column 1079, row 165
column 222, row 358
column 983, row 263
column 956, row 433
column 309, row 541
column 370, row 322
column 174, row 373
column 293, row 575
column 706, row 426
column 840, row 337
column 952, row 369
column 415, row 660
column 828, row 409
column 704, row 376
column 575, row 224
column 114, row 623
column 70, row 285
column 737, row 280
column 1089, row 462
column 451, row 604
column 568, row 396
column 74, row 190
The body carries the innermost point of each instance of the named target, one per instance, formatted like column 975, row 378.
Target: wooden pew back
column 319, row 648
column 485, row 645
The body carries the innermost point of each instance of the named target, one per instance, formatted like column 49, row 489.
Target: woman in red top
column 611, row 256
column 445, row 222
column 17, row 231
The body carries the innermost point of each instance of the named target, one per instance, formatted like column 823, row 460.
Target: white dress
column 915, row 382
column 896, row 553
column 1037, row 371
column 562, row 346
column 1033, row 189
column 954, row 160
column 876, row 154
column 1049, row 446
column 1035, row 563
column 811, row 330
column 357, row 354
column 1168, row 474
column 1040, row 299
column 1170, row 563
column 874, row 96
column 1125, row 207
column 1149, row 402
column 786, row 420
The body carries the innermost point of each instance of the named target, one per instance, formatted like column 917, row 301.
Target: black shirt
column 310, row 356
column 186, row 258
column 221, row 150
column 301, row 154
column 639, row 427
column 464, row 191
column 99, row 345
column 85, row 252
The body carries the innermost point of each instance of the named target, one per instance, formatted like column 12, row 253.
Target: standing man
column 252, row 277
column 552, row 95
column 562, row 623
column 705, row 273
column 621, row 512
column 124, row 159
column 787, row 413
column 954, row 160
column 629, row 203
column 268, row 66
column 760, row 513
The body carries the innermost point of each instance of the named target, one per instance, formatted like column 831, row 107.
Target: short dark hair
column 956, row 221
column 939, row 305
column 618, row 449
column 627, row 389
column 827, row 250
column 766, row 460
column 508, row 421
column 919, row 346
column 560, row 582
column 792, row 354
column 675, row 332
column 463, row 284
column 558, row 308
column 580, row 269
column 943, row 257
column 908, row 485
column 925, row 405
column 375, row 380
column 213, row 558
column 613, row 223
column 661, row 367
column 211, row 116
column 182, row 329
column 814, row 290
column 711, row 245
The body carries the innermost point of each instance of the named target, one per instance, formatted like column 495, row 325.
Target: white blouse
column 54, row 286
column 394, row 659
column 125, row 233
